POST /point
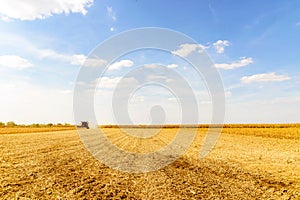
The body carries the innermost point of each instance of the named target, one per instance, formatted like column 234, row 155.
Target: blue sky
column 254, row 45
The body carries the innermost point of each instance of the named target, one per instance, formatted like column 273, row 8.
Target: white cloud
column 155, row 65
column 237, row 64
column 220, row 45
column 35, row 9
column 80, row 59
column 49, row 53
column 94, row 62
column 155, row 77
column 28, row 47
column 12, row 41
column 151, row 66
column 76, row 59
column 120, row 64
column 298, row 24
column 24, row 45
column 268, row 77
column 111, row 13
column 171, row 66
column 13, row 61
column 110, row 83
column 186, row 49
column 112, row 29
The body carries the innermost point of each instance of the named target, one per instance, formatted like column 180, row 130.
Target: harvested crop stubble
column 13, row 130
column 55, row 165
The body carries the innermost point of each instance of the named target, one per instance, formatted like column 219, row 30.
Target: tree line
column 205, row 126
column 36, row 125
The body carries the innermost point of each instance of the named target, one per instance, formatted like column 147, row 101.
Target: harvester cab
column 84, row 124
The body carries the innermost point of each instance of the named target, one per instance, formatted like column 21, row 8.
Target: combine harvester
column 84, row 124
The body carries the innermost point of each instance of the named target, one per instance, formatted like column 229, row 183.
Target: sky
column 254, row 46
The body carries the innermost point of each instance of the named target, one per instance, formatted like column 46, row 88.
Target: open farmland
column 247, row 163
column 12, row 130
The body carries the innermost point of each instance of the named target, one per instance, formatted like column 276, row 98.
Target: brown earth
column 245, row 164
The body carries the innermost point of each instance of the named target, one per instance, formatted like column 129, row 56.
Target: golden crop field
column 246, row 163
column 11, row 130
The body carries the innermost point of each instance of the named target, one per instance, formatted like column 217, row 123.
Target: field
column 247, row 163
column 12, row 130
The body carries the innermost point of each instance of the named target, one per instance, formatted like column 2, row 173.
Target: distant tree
column 11, row 124
column 50, row 125
column 2, row 124
column 35, row 125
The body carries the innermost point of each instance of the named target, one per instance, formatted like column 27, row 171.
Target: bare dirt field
column 253, row 163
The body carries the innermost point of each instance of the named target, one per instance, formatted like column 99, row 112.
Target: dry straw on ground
column 246, row 164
